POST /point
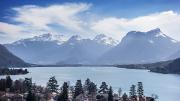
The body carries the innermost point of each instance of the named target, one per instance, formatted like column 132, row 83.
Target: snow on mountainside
column 135, row 47
column 151, row 36
column 35, row 50
column 82, row 51
column 101, row 38
column 141, row 47
column 42, row 38
column 74, row 39
column 50, row 49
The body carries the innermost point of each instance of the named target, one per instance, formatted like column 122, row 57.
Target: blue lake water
column 166, row 86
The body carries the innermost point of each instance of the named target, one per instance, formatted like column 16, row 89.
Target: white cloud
column 11, row 32
column 63, row 15
column 167, row 21
column 34, row 20
column 9, row 28
column 74, row 18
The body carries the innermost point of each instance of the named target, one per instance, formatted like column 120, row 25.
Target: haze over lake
column 166, row 86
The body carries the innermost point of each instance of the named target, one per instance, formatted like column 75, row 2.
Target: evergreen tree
column 132, row 92
column 64, row 93
column 18, row 86
column 52, row 85
column 2, row 84
column 86, row 85
column 8, row 82
column 103, row 88
column 125, row 97
column 28, row 84
column 140, row 91
column 92, row 88
column 110, row 94
column 78, row 88
column 31, row 97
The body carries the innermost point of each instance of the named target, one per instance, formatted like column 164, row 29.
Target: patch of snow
column 174, row 41
column 151, row 41
column 105, row 40
column 71, row 44
column 45, row 37
column 75, row 37
column 160, row 34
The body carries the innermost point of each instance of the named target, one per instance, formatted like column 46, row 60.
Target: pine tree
column 92, row 88
column 103, row 88
column 132, row 92
column 8, row 82
column 78, row 88
column 2, row 84
column 52, row 85
column 110, row 94
column 64, row 93
column 86, row 85
column 28, row 84
column 140, row 91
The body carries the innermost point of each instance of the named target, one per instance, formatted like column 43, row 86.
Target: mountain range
column 135, row 47
column 45, row 49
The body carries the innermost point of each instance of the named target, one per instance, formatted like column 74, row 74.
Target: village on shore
column 25, row 90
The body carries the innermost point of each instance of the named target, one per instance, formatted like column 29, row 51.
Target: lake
column 166, row 86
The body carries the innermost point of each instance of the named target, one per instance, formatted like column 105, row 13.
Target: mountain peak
column 156, row 30
column 157, row 33
column 75, row 37
column 59, row 39
column 43, row 37
column 152, row 36
column 101, row 38
column 134, row 33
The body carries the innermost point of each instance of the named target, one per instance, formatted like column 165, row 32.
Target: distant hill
column 174, row 66
column 171, row 66
column 7, row 59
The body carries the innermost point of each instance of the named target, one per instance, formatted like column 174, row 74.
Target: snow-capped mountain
column 141, row 47
column 135, row 47
column 50, row 49
column 82, row 51
column 43, row 38
column 101, row 38
column 35, row 50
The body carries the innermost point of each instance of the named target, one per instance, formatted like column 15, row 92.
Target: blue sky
column 87, row 18
column 121, row 8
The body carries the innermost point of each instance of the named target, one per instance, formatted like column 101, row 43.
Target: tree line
column 66, row 92
column 12, row 71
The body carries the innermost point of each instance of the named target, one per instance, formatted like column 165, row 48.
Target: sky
column 27, row 18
